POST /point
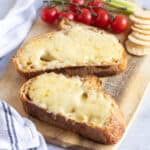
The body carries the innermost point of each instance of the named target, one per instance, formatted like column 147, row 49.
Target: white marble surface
column 138, row 137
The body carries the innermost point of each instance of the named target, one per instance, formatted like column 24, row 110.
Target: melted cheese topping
column 71, row 47
column 71, row 98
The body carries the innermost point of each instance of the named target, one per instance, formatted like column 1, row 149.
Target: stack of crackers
column 138, row 42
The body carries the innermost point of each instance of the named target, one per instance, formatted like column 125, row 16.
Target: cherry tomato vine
column 90, row 12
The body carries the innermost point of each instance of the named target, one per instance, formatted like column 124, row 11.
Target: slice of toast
column 74, row 103
column 75, row 49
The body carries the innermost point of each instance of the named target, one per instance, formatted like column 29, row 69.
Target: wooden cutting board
column 127, row 88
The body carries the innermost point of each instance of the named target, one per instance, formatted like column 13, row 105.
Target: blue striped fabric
column 17, row 133
column 13, row 128
column 7, row 123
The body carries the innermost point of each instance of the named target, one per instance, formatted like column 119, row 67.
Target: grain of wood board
column 127, row 88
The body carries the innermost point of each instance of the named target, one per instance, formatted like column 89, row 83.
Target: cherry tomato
column 119, row 24
column 77, row 2
column 48, row 15
column 102, row 19
column 93, row 20
column 95, row 3
column 68, row 15
column 84, row 16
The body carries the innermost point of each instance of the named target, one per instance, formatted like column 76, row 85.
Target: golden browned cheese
column 74, row 103
column 71, row 98
column 77, row 45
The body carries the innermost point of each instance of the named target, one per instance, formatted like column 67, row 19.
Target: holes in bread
column 73, row 110
column 115, row 60
column 32, row 67
column 29, row 65
column 47, row 57
column 84, row 96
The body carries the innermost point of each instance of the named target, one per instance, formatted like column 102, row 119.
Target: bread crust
column 100, row 71
column 110, row 133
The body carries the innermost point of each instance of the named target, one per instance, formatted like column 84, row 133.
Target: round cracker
column 142, row 26
column 141, row 36
column 138, row 41
column 137, row 50
column 141, row 13
column 147, row 32
column 139, row 20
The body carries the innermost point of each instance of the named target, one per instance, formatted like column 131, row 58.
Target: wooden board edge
column 130, row 123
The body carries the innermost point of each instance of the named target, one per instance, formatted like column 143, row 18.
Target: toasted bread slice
column 75, row 49
column 74, row 103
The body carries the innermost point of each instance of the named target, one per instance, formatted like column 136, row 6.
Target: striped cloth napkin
column 18, row 133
